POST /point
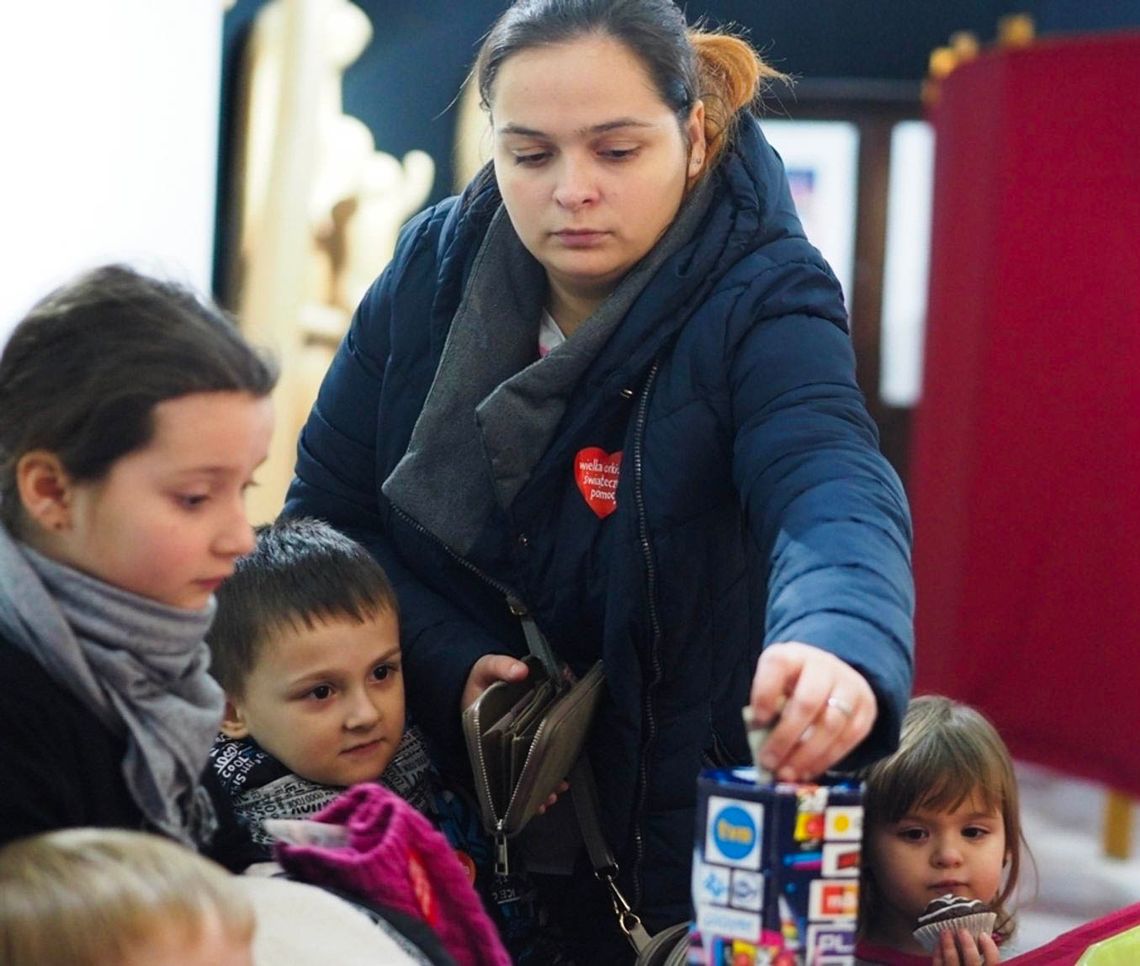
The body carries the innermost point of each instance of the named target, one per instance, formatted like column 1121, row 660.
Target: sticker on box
column 732, row 835
column 809, row 827
column 736, row 952
column 841, row 859
column 843, row 823
column 804, row 861
column 711, row 884
column 718, row 921
column 811, row 798
column 828, row 899
column 747, row 890
column 827, row 941
column 789, row 924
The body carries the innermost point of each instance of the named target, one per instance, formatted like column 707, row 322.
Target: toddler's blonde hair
column 89, row 897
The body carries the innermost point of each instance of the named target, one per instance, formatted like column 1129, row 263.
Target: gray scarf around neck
column 139, row 666
column 493, row 409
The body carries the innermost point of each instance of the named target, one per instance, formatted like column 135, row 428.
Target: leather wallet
column 523, row 738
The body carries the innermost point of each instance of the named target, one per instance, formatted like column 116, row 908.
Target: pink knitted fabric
column 396, row 858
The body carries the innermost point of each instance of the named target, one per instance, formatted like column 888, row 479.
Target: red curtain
column 1025, row 478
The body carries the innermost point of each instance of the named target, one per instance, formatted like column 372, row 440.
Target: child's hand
column 960, row 949
column 486, row 671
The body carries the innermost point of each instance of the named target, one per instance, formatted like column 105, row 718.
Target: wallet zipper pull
column 502, row 861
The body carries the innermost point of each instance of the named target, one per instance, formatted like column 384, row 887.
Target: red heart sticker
column 596, row 473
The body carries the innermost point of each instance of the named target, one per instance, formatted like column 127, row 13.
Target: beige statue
column 472, row 136
column 320, row 207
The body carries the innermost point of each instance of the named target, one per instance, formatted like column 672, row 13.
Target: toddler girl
column 941, row 816
column 134, row 416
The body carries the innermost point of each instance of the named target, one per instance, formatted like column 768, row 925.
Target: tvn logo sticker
column 711, row 884
column 843, row 823
column 828, row 899
column 829, row 944
column 841, row 859
column 732, row 832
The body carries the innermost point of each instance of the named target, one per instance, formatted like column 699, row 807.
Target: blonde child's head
column 111, row 897
column 306, row 644
column 952, row 774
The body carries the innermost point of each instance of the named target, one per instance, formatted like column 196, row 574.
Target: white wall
column 822, row 161
column 108, row 120
column 906, row 270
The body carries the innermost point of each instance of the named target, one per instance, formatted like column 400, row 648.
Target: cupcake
column 952, row 912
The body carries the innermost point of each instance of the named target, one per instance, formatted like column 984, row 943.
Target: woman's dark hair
column 82, row 372
column 300, row 572
column 685, row 64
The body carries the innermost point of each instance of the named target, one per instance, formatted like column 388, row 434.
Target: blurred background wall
column 404, row 85
column 109, row 120
column 859, row 67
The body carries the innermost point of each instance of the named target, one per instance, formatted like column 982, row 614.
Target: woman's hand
column 825, row 709
column 486, row 671
column 959, row 948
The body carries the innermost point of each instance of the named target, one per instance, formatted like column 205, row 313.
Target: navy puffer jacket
column 752, row 504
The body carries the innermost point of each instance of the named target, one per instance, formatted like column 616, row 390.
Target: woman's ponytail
column 732, row 76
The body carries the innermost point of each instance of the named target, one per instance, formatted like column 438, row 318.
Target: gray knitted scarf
column 139, row 666
column 494, row 408
column 261, row 787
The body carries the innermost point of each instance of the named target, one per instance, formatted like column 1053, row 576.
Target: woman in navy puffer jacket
column 611, row 387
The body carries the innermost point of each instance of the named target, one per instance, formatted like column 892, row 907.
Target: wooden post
column 1117, row 825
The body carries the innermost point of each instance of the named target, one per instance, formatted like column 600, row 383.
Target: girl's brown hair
column 83, row 371
column 947, row 753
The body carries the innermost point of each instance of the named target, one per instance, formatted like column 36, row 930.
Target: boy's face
column 327, row 702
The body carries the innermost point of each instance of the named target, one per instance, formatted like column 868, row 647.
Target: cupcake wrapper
column 980, row 922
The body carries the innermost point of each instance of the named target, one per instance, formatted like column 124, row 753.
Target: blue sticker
column 732, row 832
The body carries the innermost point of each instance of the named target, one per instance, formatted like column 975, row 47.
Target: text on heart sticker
column 596, row 473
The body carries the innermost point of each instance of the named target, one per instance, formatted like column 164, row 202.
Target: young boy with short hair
column 306, row 645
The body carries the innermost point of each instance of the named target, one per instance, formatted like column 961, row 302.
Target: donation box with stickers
column 775, row 871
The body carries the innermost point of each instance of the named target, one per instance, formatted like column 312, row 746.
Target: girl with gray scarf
column 134, row 416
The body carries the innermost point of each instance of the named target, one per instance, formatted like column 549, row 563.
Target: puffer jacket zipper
column 518, row 609
column 513, row 599
column 655, row 638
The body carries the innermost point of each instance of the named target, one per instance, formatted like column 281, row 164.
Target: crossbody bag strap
column 536, row 643
column 540, row 648
column 584, row 794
